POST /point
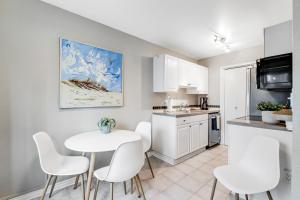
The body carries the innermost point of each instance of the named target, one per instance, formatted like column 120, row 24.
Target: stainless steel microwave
column 275, row 73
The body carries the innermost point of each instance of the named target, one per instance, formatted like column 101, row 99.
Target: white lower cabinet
column 183, row 140
column 195, row 136
column 203, row 134
column 176, row 139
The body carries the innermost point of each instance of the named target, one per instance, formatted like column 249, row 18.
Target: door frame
column 222, row 93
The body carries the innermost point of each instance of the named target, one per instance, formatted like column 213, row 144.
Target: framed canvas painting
column 89, row 76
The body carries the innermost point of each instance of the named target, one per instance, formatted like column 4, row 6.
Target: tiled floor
column 190, row 180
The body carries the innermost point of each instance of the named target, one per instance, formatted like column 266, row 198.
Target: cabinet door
column 195, row 136
column 187, row 74
column 171, row 73
column 192, row 75
column 203, row 79
column 183, row 140
column 278, row 39
column 183, row 74
column 203, row 134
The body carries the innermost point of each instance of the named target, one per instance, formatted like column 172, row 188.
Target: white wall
column 29, row 79
column 214, row 64
column 296, row 94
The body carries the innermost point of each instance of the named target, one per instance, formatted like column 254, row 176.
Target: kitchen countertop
column 255, row 121
column 186, row 113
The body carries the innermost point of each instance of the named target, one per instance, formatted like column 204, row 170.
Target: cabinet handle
column 201, row 124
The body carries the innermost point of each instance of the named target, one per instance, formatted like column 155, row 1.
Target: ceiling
column 186, row 26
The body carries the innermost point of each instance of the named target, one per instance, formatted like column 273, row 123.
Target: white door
column 203, row 134
column 183, row 140
column 195, row 136
column 235, row 95
column 171, row 74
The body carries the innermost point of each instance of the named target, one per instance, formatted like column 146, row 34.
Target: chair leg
column 82, row 183
column 77, row 177
column 213, row 189
column 138, row 177
column 237, row 196
column 131, row 185
column 125, row 189
column 149, row 164
column 112, row 191
column 46, row 187
column 52, row 187
column 96, row 190
column 137, row 187
column 76, row 182
column 246, row 195
column 269, row 195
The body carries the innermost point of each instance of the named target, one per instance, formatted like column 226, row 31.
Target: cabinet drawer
column 198, row 118
column 182, row 120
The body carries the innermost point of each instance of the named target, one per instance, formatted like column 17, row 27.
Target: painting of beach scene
column 89, row 76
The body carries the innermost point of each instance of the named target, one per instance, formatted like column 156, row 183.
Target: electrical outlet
column 288, row 175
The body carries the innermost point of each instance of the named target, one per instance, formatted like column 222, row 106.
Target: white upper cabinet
column 186, row 74
column 165, row 73
column 203, row 79
column 171, row 73
column 278, row 39
column 183, row 73
column 201, row 76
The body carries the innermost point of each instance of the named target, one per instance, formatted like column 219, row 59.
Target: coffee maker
column 203, row 103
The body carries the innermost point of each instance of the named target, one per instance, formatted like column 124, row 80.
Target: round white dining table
column 94, row 142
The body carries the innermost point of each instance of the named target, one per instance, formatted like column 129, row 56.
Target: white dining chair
column 55, row 164
column 126, row 163
column 144, row 129
column 258, row 170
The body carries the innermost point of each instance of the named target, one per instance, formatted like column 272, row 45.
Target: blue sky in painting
column 84, row 62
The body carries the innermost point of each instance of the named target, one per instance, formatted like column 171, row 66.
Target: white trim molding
column 37, row 193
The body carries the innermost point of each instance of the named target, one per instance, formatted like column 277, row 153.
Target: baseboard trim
column 176, row 161
column 37, row 193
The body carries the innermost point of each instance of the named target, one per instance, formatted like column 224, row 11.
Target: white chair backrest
column 144, row 128
column 262, row 159
column 127, row 161
column 49, row 158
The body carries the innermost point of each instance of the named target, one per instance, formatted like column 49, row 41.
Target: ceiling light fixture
column 221, row 41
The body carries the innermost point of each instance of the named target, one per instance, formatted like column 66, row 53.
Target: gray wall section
column 296, row 98
column 29, row 61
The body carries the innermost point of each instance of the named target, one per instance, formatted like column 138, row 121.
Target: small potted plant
column 267, row 109
column 106, row 124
